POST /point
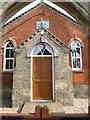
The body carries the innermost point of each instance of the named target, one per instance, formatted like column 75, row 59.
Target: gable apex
column 36, row 4
column 42, row 32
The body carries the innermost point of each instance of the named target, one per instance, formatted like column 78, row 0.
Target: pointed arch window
column 9, row 56
column 76, row 55
column 42, row 49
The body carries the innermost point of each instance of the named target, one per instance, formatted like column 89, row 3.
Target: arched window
column 42, row 49
column 9, row 56
column 76, row 55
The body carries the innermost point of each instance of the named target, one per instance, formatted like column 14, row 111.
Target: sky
column 36, row 2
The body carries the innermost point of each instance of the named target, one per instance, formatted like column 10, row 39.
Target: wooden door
column 42, row 78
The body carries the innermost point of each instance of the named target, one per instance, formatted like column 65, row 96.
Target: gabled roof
column 34, row 5
column 45, row 32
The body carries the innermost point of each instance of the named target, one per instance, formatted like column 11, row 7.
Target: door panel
column 47, row 68
column 47, row 91
column 47, row 78
column 37, row 68
column 42, row 78
column 37, row 87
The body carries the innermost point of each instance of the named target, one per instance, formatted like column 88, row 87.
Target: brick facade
column 59, row 25
column 65, row 32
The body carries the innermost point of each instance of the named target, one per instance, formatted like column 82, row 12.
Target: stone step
column 29, row 107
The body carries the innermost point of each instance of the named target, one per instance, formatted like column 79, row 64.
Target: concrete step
column 29, row 107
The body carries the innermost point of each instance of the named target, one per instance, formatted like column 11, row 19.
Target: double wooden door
column 42, row 78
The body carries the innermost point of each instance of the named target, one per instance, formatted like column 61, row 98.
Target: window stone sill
column 7, row 71
column 78, row 71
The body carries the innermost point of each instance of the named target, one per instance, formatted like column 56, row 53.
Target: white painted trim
column 77, row 69
column 52, row 77
column 42, row 55
column 4, row 62
column 35, row 3
column 31, row 80
column 42, row 100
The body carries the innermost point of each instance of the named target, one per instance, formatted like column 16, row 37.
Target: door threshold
column 42, row 101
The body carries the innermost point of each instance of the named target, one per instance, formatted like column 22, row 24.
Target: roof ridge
column 20, row 16
column 42, row 2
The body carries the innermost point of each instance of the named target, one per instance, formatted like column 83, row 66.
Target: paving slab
column 53, row 107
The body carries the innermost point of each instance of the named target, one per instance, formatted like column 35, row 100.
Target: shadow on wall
column 6, row 97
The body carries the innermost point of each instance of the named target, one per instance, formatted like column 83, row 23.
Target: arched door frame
column 52, row 72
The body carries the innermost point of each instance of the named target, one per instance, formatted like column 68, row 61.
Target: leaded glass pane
column 11, row 44
column 75, row 43
column 76, row 63
column 9, row 56
column 7, row 45
column 11, row 64
column 7, row 53
column 78, row 52
column 11, row 53
column 76, row 55
column 75, row 52
column 46, row 52
column 49, row 50
column 42, row 49
column 37, row 51
column 7, row 64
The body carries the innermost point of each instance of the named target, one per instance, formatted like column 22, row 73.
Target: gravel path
column 80, row 106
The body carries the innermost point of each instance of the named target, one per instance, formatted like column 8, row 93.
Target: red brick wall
column 59, row 26
column 7, row 79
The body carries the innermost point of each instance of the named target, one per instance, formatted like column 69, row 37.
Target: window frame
column 5, row 58
column 76, row 57
column 45, row 24
column 42, row 53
